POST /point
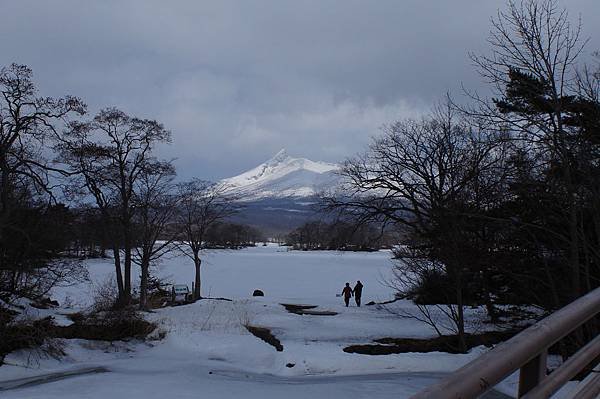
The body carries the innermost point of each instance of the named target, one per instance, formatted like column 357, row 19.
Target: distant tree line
column 233, row 235
column 339, row 235
column 500, row 199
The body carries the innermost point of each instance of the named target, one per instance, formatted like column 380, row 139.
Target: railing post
column 532, row 373
column 527, row 350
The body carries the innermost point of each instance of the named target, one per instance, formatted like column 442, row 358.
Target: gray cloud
column 237, row 80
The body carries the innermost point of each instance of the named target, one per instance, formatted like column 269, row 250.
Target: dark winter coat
column 347, row 292
column 358, row 289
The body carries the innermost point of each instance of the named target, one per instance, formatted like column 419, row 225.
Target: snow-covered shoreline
column 207, row 352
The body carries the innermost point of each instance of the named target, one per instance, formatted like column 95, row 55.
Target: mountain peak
column 280, row 156
column 284, row 176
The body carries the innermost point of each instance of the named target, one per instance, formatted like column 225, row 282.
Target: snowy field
column 207, row 352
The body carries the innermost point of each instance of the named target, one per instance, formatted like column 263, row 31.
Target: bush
column 106, row 321
column 432, row 287
column 105, row 296
column 41, row 334
column 108, row 326
column 29, row 334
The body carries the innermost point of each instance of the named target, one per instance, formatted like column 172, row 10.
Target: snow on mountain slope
column 283, row 176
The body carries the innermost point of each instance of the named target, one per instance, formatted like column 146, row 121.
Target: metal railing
column 527, row 351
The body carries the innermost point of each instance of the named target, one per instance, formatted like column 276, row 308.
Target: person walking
column 347, row 293
column 358, row 292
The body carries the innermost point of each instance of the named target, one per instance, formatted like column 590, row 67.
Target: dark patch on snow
column 307, row 310
column 45, row 303
column 290, row 307
column 386, row 302
column 446, row 343
column 266, row 335
column 217, row 299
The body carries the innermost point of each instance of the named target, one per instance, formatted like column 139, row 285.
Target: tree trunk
column 574, row 261
column 552, row 284
column 4, row 192
column 574, row 253
column 127, row 269
column 119, row 274
column 145, row 265
column 197, row 263
column 460, row 320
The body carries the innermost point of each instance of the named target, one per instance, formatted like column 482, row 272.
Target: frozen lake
column 283, row 274
column 207, row 351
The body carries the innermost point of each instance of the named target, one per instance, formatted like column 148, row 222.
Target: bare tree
column 427, row 284
column 110, row 153
column 423, row 176
column 202, row 204
column 155, row 207
column 28, row 124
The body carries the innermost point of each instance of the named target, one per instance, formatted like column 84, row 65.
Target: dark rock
column 258, row 293
column 290, row 365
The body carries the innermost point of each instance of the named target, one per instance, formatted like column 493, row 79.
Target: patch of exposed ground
column 266, row 335
column 446, row 343
column 307, row 310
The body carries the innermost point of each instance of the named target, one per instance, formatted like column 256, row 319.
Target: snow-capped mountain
column 284, row 177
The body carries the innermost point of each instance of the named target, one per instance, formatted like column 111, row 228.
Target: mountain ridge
column 283, row 176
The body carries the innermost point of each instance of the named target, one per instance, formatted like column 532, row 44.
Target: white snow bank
column 207, row 352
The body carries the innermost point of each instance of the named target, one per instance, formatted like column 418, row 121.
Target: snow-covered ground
column 207, row 352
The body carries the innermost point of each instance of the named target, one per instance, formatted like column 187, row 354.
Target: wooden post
column 532, row 373
column 526, row 350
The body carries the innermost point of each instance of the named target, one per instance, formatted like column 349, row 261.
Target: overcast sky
column 236, row 81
